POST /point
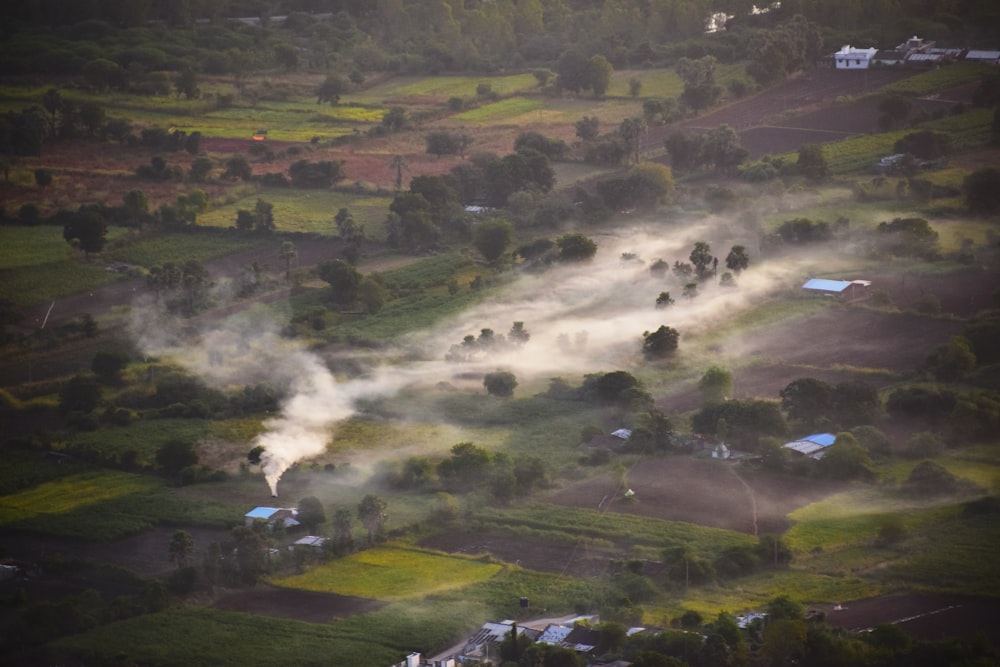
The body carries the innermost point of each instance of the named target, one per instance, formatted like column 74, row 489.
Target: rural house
column 979, row 56
column 272, row 515
column 851, row 58
column 814, row 446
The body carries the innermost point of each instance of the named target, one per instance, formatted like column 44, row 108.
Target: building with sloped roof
column 814, row 446
column 848, row 289
column 272, row 515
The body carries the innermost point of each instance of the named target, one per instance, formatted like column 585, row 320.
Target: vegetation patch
column 507, row 109
column 309, row 212
column 392, row 573
column 70, row 493
column 203, row 636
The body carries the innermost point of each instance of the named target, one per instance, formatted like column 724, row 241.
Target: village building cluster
column 914, row 52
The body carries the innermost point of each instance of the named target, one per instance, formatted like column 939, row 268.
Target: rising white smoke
column 608, row 303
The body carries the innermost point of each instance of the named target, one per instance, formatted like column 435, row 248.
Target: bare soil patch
column 145, row 554
column 850, row 336
column 308, row 606
column 709, row 493
column 922, row 616
column 571, row 560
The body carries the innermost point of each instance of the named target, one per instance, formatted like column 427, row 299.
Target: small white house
column 851, row 58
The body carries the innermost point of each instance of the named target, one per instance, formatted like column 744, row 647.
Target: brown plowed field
column 300, row 605
column 704, row 492
column 922, row 616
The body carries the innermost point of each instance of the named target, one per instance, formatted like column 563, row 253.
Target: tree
column 331, row 89
column 491, row 237
column 88, row 229
column 399, row 163
column 573, row 71
column 576, row 247
column 81, row 393
column 599, row 74
column 254, row 455
column 263, row 216
column 812, row 163
column 722, row 148
column 660, row 343
column 238, row 167
column 845, row 459
column 288, row 253
column 701, row 258
column 137, row 204
column 715, row 385
column 395, row 119
column 343, row 531
column 982, row 191
column 686, row 150
column 108, row 365
column 201, row 167
column 807, row 400
column 43, row 177
column 175, row 455
column 737, row 260
column 631, row 131
column 700, row 89
column 372, row 294
column 343, row 279
column 634, row 87
column 952, row 360
column 372, row 514
column 442, row 142
column 588, row 127
column 894, row 109
column 180, row 548
column 664, row 300
column 187, row 83
column 311, row 513
column 500, row 383
column 52, row 101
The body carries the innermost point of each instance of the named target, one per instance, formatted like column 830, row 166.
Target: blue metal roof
column 826, row 285
column 261, row 512
column 825, row 439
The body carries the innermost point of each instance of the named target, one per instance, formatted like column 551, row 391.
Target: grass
column 507, row 110
column 309, row 211
column 179, row 248
column 222, row 638
column 64, row 495
column 440, row 88
column 935, row 80
column 968, row 129
column 392, row 573
column 143, row 437
column 614, row 527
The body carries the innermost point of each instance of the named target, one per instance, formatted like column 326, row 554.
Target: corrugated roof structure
column 824, row 285
column 262, row 513
column 813, row 446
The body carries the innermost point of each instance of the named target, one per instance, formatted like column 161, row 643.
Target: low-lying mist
column 602, row 307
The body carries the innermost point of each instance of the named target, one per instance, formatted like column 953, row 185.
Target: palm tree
column 399, row 163
column 288, row 253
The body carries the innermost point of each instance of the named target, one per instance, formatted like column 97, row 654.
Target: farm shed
column 889, row 57
column 851, row 58
column 849, row 289
column 980, row 56
column 813, row 446
column 493, row 633
column 271, row 515
column 309, row 541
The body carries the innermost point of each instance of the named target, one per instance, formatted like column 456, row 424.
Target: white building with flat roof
column 851, row 58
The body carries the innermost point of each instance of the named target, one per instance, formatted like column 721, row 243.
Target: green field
column 61, row 496
column 205, row 636
column 935, row 80
column 439, row 89
column 392, row 573
column 307, row 211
